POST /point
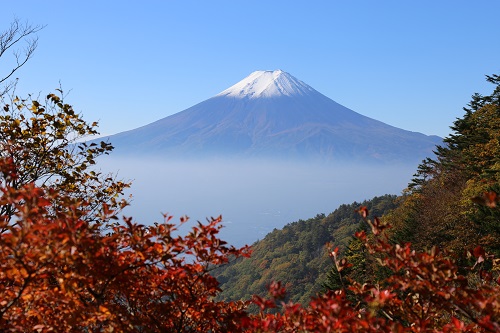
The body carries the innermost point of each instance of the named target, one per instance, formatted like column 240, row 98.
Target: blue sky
column 411, row 64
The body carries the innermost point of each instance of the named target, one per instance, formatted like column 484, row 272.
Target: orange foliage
column 61, row 273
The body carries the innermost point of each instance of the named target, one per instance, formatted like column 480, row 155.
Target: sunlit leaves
column 42, row 139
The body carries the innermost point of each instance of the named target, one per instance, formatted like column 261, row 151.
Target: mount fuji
column 271, row 114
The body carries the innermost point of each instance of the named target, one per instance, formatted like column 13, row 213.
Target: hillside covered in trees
column 296, row 255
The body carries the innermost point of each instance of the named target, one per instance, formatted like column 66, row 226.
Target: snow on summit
column 267, row 84
column 271, row 114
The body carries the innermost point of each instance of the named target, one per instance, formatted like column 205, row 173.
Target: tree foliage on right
column 450, row 210
column 443, row 206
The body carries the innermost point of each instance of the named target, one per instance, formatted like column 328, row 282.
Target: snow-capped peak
column 267, row 84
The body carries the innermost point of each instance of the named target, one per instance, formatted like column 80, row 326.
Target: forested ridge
column 296, row 255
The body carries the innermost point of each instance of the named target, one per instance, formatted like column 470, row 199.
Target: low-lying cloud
column 254, row 197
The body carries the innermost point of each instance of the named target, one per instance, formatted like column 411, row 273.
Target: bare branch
column 18, row 33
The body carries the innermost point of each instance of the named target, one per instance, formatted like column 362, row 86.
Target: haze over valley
column 253, row 197
column 267, row 151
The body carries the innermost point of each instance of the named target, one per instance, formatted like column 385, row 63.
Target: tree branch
column 15, row 34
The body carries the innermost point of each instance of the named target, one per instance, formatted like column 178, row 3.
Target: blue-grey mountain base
column 271, row 114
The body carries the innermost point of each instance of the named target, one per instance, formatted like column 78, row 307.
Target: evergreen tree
column 439, row 208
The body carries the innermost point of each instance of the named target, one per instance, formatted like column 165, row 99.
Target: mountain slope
column 296, row 255
column 273, row 114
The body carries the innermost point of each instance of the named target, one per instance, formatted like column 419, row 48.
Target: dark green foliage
column 296, row 255
column 357, row 256
column 438, row 209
